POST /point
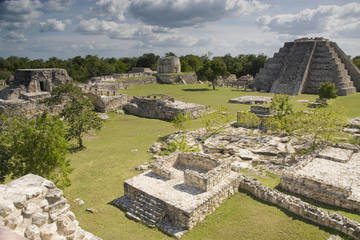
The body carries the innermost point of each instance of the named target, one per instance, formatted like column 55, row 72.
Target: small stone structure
column 262, row 111
column 169, row 64
column 185, row 78
column 180, row 191
column 109, row 103
column 229, row 81
column 251, row 100
column 300, row 67
column 35, row 208
column 29, row 87
column 332, row 177
column 163, row 107
column 141, row 70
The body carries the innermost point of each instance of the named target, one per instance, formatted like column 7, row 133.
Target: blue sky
column 126, row 28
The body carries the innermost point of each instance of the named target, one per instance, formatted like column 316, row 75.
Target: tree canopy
column 77, row 111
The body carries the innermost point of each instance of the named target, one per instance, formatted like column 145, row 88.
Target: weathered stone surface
column 169, row 64
column 184, row 187
column 182, row 78
column 108, row 103
column 163, row 107
column 336, row 154
column 34, row 207
column 251, row 100
column 300, row 67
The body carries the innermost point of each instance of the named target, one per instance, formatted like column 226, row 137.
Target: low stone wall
column 319, row 191
column 297, row 206
column 108, row 103
column 26, row 108
column 120, row 76
column 186, row 78
column 34, row 208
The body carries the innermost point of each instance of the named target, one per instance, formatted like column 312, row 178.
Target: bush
column 180, row 145
column 215, row 122
column 327, row 90
column 280, row 103
column 248, row 120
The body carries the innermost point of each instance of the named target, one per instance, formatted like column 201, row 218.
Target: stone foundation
column 174, row 202
column 108, row 103
column 185, row 78
column 328, row 178
column 34, row 208
column 163, row 107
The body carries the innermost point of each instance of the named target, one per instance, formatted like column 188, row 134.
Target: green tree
column 356, row 61
column 77, row 112
column 212, row 70
column 280, row 103
column 327, row 90
column 168, row 54
column 148, row 60
column 35, row 146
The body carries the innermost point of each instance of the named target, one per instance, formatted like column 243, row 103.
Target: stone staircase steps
column 146, row 209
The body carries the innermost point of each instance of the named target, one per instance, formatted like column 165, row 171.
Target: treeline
column 83, row 68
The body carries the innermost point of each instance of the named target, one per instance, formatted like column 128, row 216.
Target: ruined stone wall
column 122, row 76
column 196, row 161
column 34, row 208
column 185, row 78
column 297, row 206
column 169, row 64
column 108, row 103
column 319, row 191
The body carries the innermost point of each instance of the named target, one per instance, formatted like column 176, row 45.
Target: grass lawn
column 122, row 144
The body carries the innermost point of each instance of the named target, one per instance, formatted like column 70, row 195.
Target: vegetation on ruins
column 215, row 121
column 280, row 103
column 77, row 111
column 35, row 146
column 248, row 120
column 212, row 70
column 327, row 90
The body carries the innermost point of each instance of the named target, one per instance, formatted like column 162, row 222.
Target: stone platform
column 332, row 177
column 196, row 184
column 251, row 100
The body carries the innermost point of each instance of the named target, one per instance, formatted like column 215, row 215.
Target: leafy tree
column 148, row 60
column 168, row 54
column 280, row 103
column 35, row 146
column 327, row 90
column 212, row 70
column 77, row 111
column 356, row 61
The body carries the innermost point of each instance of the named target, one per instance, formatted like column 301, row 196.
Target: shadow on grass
column 196, row 89
column 76, row 148
column 296, row 217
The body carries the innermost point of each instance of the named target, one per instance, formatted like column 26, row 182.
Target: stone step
column 148, row 200
column 340, row 85
column 148, row 213
column 141, row 218
column 346, row 91
column 155, row 210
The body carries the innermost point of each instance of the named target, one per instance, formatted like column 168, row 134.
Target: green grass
column 3, row 86
column 100, row 170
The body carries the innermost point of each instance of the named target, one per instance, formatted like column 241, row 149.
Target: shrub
column 280, row 103
column 179, row 145
column 327, row 90
column 248, row 120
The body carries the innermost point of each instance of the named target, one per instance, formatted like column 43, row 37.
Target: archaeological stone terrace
column 163, row 107
column 180, row 191
column 300, row 67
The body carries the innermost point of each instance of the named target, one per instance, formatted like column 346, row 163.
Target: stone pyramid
column 300, row 67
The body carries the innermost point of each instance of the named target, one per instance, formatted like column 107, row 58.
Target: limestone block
column 32, row 232
column 54, row 195
column 48, row 231
column 14, row 219
column 40, row 218
column 59, row 210
column 6, row 207
column 66, row 226
column 30, row 209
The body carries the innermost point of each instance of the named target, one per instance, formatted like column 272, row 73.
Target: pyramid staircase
column 146, row 209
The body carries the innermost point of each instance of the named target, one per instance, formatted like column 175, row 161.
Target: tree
column 327, row 90
column 77, row 111
column 35, row 146
column 148, row 60
column 356, row 61
column 280, row 103
column 211, row 70
column 169, row 54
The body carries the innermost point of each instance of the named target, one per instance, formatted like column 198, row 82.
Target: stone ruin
column 300, row 67
column 29, row 86
column 182, row 78
column 35, row 208
column 331, row 177
column 169, row 64
column 108, row 103
column 251, row 100
column 141, row 70
column 163, row 107
column 179, row 191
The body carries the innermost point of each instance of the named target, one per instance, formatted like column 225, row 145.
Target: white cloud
column 52, row 25
column 327, row 19
column 18, row 14
column 113, row 9
column 14, row 36
column 58, row 5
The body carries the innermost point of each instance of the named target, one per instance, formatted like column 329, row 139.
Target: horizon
column 109, row 28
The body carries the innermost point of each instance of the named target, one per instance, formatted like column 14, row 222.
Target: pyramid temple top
column 306, row 39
